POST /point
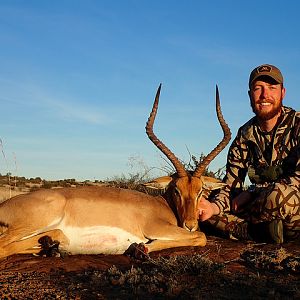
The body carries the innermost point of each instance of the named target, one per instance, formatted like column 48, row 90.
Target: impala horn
column 159, row 144
column 200, row 169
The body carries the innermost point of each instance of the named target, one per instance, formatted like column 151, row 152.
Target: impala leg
column 157, row 245
column 31, row 244
column 172, row 236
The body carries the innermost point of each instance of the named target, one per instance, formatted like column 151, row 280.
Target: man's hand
column 240, row 201
column 207, row 209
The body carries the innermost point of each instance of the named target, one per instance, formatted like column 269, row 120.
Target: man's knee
column 283, row 200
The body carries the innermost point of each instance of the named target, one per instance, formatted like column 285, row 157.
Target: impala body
column 92, row 220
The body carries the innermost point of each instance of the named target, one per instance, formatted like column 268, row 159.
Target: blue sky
column 78, row 79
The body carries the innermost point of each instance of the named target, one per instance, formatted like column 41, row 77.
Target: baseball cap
column 266, row 70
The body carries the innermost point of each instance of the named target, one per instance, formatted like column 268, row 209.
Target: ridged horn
column 226, row 138
column 159, row 144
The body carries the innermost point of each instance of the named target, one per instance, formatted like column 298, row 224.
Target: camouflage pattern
column 272, row 162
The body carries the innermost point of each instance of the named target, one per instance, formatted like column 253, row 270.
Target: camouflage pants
column 280, row 201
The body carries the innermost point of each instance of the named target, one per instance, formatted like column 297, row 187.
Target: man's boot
column 276, row 231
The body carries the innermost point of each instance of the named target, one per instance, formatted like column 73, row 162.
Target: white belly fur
column 98, row 240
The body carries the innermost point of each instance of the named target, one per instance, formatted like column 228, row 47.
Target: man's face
column 266, row 98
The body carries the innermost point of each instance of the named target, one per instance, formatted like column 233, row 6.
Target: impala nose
column 190, row 225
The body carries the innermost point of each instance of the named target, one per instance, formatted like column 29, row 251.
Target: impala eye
column 176, row 192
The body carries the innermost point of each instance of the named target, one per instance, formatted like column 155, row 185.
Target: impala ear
column 210, row 183
column 159, row 183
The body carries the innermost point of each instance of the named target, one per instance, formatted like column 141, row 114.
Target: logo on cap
column 264, row 69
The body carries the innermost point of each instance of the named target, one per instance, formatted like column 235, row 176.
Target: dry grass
column 7, row 192
column 169, row 276
column 275, row 260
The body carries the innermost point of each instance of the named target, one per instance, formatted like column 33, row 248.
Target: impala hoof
column 49, row 247
column 138, row 251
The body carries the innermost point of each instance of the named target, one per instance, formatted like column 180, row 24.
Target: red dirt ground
column 224, row 269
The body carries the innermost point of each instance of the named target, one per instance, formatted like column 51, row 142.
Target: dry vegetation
column 215, row 272
column 12, row 186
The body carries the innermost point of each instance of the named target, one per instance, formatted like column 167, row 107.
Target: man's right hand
column 240, row 201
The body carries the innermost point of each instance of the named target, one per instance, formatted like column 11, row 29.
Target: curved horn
column 159, row 144
column 226, row 138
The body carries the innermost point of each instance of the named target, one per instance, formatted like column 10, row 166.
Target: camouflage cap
column 266, row 70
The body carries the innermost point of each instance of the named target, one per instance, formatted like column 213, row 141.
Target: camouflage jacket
column 265, row 157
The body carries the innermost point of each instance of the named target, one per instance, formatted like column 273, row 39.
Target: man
column 267, row 149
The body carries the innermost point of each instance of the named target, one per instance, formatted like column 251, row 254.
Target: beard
column 267, row 115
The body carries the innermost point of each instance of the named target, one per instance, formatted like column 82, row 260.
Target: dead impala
column 92, row 220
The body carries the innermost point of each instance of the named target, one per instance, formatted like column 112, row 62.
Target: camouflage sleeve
column 295, row 180
column 236, row 170
column 291, row 171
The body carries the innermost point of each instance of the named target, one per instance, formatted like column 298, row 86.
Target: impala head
column 184, row 189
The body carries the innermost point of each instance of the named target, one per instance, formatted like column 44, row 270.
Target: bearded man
column 267, row 150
